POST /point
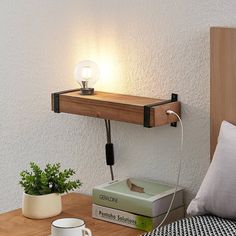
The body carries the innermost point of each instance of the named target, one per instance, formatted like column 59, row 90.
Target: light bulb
column 86, row 74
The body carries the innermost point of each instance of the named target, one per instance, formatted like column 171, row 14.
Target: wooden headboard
column 223, row 79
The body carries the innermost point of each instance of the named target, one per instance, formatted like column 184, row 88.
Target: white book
column 134, row 220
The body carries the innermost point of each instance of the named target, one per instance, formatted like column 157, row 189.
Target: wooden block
column 160, row 116
column 117, row 107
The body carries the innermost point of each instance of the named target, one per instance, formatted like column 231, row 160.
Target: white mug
column 69, row 227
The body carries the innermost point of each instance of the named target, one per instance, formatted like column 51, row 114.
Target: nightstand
column 13, row 223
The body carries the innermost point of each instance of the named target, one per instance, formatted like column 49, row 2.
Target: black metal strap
column 55, row 99
column 174, row 98
column 147, row 110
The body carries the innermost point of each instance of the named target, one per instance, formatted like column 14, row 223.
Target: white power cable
column 180, row 165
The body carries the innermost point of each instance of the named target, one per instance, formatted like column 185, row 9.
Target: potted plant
column 43, row 189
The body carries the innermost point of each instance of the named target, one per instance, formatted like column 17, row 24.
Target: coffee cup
column 69, row 227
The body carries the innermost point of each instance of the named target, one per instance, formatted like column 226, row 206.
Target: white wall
column 149, row 47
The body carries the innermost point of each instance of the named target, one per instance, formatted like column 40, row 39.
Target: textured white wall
column 148, row 47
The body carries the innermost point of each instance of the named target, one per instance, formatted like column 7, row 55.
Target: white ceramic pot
column 41, row 206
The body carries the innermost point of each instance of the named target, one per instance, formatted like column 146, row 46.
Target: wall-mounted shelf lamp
column 149, row 112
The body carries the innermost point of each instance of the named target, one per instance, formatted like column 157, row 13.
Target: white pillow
column 217, row 193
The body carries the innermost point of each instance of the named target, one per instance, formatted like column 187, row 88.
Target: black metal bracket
column 174, row 98
column 56, row 99
column 147, row 110
column 55, row 102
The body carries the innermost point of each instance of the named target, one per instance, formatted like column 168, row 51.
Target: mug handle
column 87, row 231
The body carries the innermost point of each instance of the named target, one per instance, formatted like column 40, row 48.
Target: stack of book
column 137, row 203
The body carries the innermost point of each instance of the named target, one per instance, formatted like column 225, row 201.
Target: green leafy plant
column 49, row 180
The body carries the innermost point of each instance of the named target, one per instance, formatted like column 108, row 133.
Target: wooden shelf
column 149, row 112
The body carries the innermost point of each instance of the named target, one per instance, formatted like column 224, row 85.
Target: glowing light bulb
column 86, row 74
